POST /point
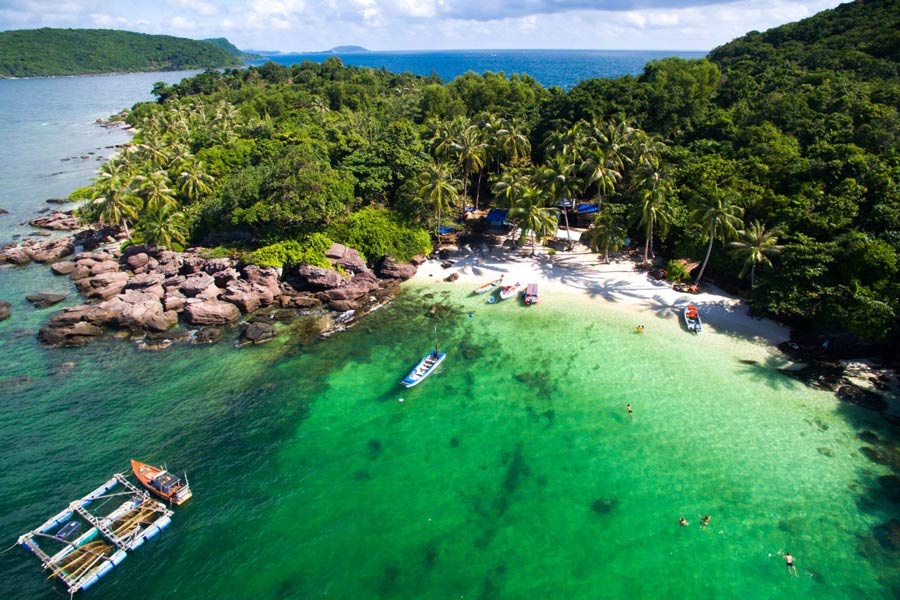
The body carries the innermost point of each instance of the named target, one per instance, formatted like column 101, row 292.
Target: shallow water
column 514, row 471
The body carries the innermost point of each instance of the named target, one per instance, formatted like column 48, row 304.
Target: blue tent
column 496, row 218
column 445, row 230
column 586, row 209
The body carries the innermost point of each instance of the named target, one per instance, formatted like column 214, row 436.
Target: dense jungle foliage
column 40, row 52
column 774, row 162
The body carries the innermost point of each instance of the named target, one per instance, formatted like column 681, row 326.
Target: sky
column 313, row 25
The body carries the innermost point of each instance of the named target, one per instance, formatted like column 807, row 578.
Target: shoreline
column 581, row 273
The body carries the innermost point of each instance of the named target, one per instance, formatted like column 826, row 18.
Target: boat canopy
column 165, row 481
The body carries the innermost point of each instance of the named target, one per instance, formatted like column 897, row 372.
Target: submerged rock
column 258, row 333
column 603, row 506
column 208, row 335
column 860, row 397
column 44, row 299
column 4, row 310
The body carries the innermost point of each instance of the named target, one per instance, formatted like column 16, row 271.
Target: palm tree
column 156, row 151
column 440, row 189
column 755, row 245
column 470, row 153
column 162, row 225
column 600, row 166
column 654, row 208
column 720, row 214
column 154, row 189
column 606, row 233
column 530, row 214
column 195, row 182
column 116, row 207
column 445, row 133
column 509, row 185
column 513, row 142
column 559, row 176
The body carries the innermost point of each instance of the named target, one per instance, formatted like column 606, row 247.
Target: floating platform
column 118, row 517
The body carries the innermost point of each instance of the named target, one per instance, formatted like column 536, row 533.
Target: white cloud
column 199, row 7
column 182, row 23
column 101, row 20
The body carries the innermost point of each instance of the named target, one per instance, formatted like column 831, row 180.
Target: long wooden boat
column 162, row 483
column 508, row 291
column 488, row 286
column 425, row 368
column 531, row 294
column 692, row 319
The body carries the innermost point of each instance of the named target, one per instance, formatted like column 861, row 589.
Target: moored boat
column 488, row 286
column 162, row 483
column 531, row 294
column 425, row 368
column 692, row 319
column 508, row 291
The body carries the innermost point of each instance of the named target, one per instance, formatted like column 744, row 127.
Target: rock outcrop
column 57, row 221
column 44, row 299
column 210, row 312
column 49, row 251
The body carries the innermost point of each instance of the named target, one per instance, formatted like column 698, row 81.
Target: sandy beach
column 582, row 272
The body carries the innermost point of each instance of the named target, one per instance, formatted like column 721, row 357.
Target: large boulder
column 44, row 299
column 258, row 333
column 214, row 265
column 191, row 263
column 318, row 278
column 298, row 300
column 346, row 257
column 15, row 256
column 211, row 312
column 243, row 295
column 96, row 314
column 4, row 310
column 389, row 269
column 57, row 221
column 136, row 261
column 103, row 286
column 138, row 309
column 196, row 283
column 76, row 334
column 102, row 266
column 145, row 280
column 64, row 267
column 263, row 277
column 173, row 300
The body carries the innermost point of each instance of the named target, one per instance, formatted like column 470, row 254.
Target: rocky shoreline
column 148, row 292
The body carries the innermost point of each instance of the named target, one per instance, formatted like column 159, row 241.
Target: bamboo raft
column 113, row 531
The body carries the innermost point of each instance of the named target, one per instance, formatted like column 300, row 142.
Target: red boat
column 162, row 483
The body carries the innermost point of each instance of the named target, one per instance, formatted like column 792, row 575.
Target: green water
column 514, row 471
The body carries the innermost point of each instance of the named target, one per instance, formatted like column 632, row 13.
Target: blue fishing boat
column 425, row 368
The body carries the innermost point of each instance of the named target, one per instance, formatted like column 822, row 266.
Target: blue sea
column 563, row 68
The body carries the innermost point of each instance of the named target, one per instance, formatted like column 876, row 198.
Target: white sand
column 581, row 271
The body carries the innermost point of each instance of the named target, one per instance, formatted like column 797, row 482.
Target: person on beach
column 705, row 521
column 630, row 412
column 789, row 560
column 683, row 522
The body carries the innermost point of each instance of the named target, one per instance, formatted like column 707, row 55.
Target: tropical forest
column 773, row 164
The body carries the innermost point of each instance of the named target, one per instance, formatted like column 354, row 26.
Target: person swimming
column 789, row 560
column 705, row 521
column 630, row 412
column 683, row 522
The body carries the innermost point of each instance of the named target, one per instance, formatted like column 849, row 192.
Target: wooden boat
column 531, row 294
column 162, row 483
column 692, row 319
column 425, row 368
column 488, row 286
column 508, row 291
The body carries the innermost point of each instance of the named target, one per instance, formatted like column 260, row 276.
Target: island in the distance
column 49, row 52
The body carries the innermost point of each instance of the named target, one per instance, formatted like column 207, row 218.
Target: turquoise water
column 564, row 68
column 514, row 471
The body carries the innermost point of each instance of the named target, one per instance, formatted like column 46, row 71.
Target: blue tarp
column 444, row 230
column 586, row 209
column 497, row 217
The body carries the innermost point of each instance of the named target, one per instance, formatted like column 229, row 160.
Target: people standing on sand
column 789, row 560
column 683, row 522
column 630, row 412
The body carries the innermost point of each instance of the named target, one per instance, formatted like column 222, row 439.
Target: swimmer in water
column 630, row 412
column 683, row 522
column 789, row 560
column 705, row 521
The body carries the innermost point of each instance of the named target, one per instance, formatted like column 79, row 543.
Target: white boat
column 508, row 291
column 425, row 368
column 488, row 286
column 692, row 319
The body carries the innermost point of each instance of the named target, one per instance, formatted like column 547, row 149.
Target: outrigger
column 81, row 562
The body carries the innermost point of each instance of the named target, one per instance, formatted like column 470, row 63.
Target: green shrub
column 677, row 273
column 309, row 250
column 376, row 232
column 82, row 193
